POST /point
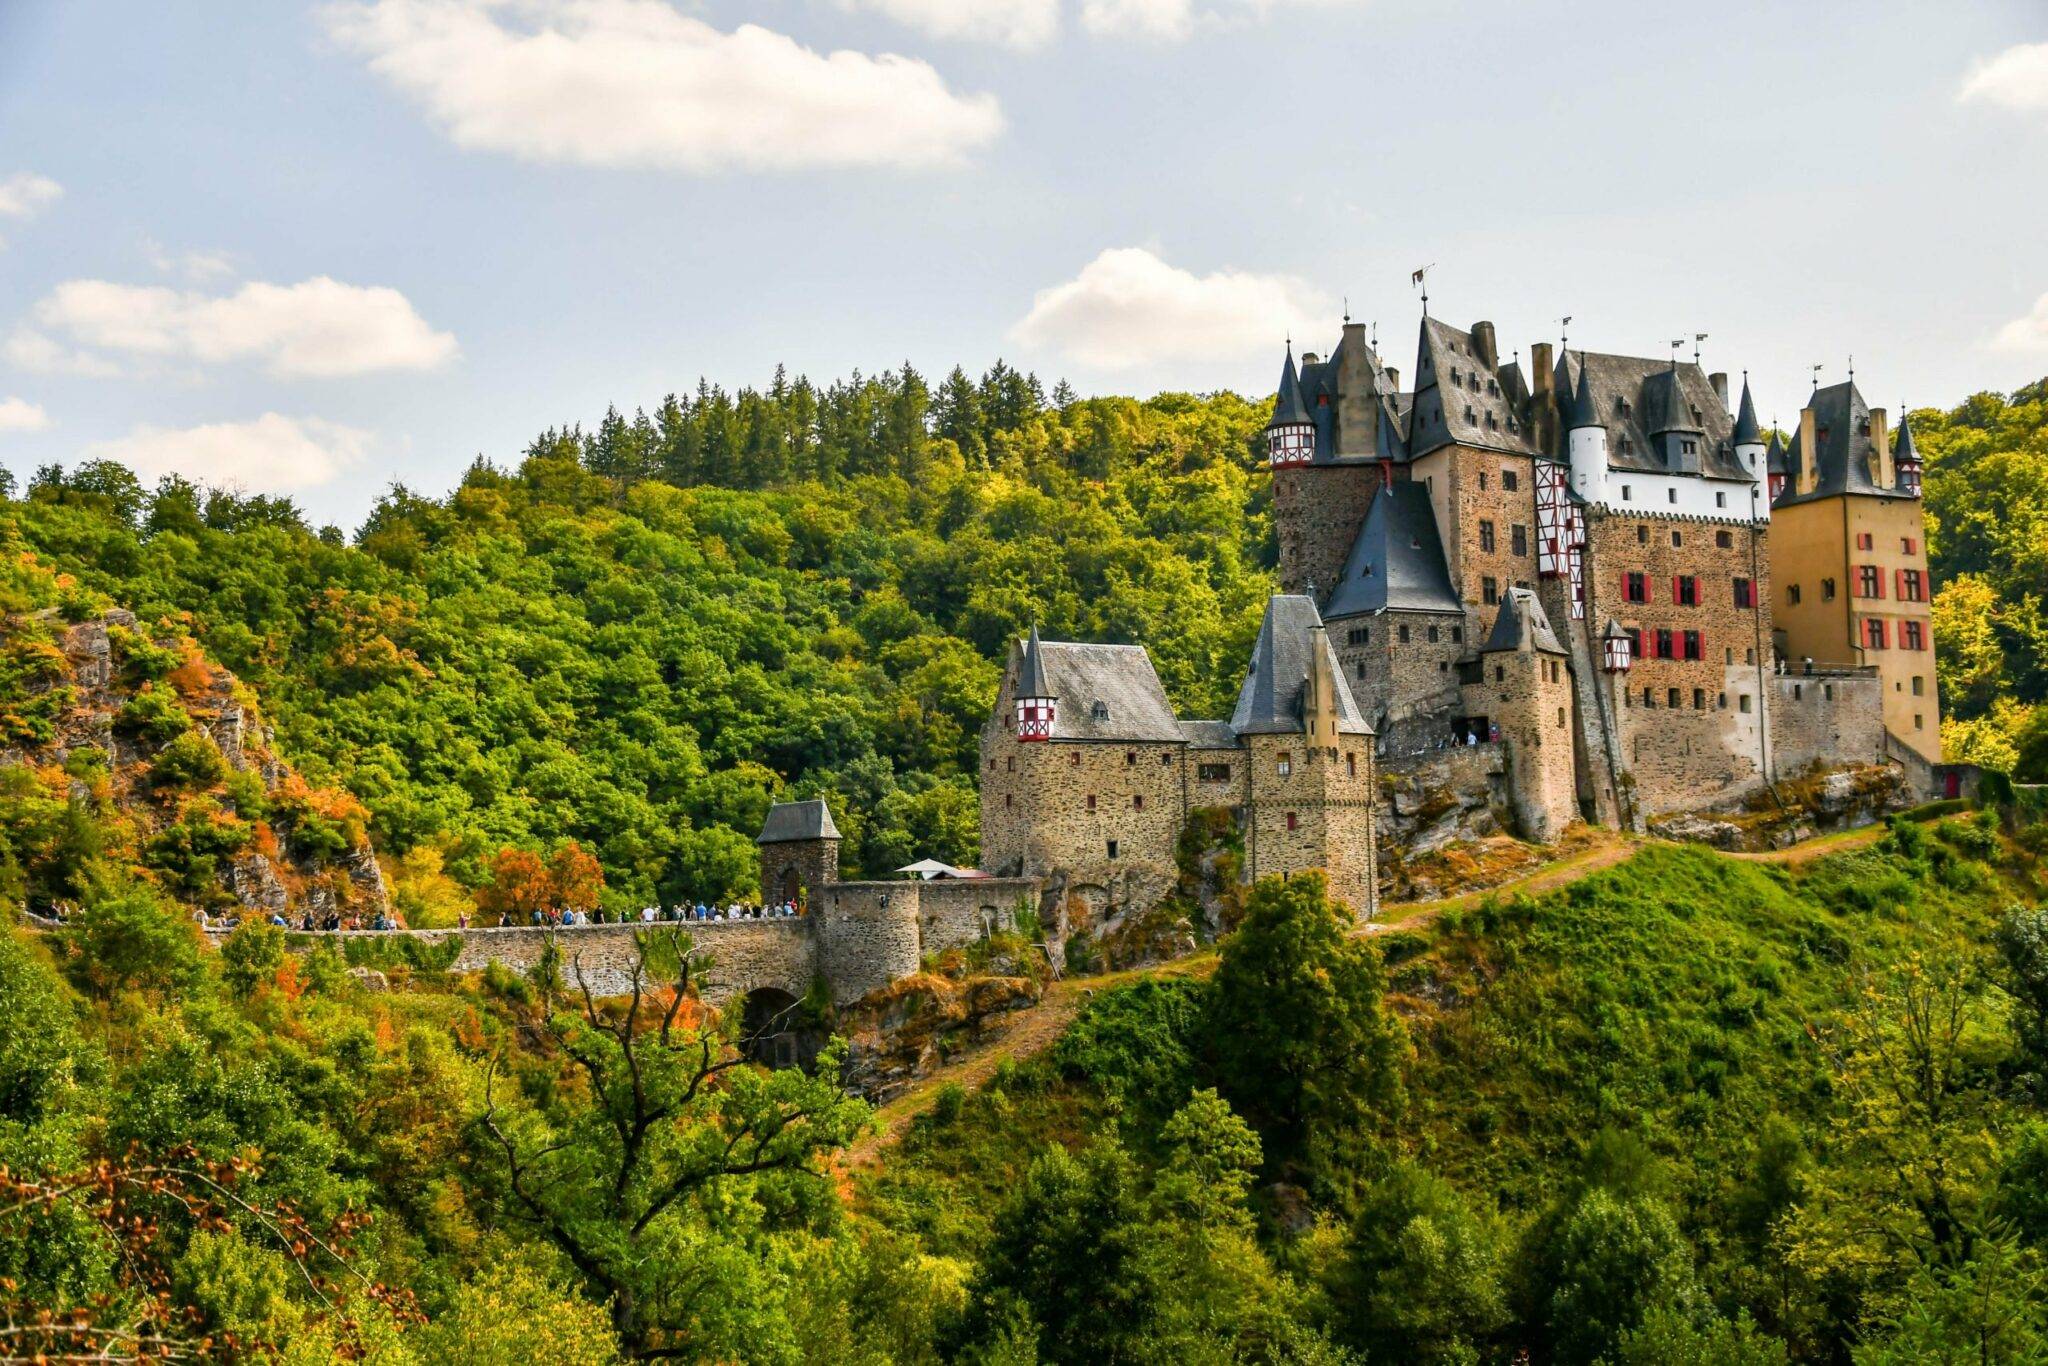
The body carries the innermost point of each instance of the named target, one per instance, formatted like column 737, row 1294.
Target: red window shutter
column 1899, row 584
column 1674, row 588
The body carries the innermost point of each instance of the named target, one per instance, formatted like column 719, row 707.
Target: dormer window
column 1098, row 711
column 1493, row 388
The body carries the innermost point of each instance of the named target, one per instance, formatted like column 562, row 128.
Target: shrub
column 190, row 763
column 153, row 717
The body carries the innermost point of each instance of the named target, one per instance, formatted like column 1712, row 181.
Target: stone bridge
column 859, row 937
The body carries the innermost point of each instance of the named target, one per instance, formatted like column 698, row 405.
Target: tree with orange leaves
column 577, row 877
column 519, row 886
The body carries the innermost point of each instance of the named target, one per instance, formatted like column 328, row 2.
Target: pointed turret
column 1037, row 706
column 1521, row 625
column 1748, row 431
column 1617, row 648
column 1906, row 456
column 1290, row 432
column 1586, row 440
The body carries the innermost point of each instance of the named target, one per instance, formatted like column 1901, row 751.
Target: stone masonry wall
column 1058, row 805
column 1317, row 511
column 1468, row 488
column 1708, row 748
column 1825, row 719
column 1414, row 682
column 953, row 913
column 810, row 863
column 1527, row 695
column 1330, row 794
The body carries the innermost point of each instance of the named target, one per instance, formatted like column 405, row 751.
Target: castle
column 1620, row 592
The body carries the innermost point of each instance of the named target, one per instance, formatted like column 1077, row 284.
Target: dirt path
column 1026, row 1033
column 1029, row 1032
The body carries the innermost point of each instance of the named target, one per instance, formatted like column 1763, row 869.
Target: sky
column 314, row 249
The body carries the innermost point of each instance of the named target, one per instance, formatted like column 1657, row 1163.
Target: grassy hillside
column 1688, row 1036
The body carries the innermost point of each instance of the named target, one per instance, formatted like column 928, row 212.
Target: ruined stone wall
column 1825, row 719
column 1691, row 732
column 1317, row 511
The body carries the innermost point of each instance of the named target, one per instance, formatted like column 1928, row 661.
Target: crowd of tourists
column 335, row 922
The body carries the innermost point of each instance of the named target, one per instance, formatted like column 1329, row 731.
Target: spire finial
column 1347, row 309
column 1697, row 338
column 1564, row 335
column 1420, row 279
column 1852, row 368
column 1816, row 376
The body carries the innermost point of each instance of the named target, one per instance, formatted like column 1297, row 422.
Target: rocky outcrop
column 170, row 751
column 1799, row 809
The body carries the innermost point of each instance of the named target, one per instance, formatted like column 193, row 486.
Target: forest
column 1690, row 1108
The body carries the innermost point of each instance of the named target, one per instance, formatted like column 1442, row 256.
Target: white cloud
column 2016, row 79
column 635, row 83
column 273, row 454
column 28, row 349
column 25, row 194
column 2028, row 334
column 1128, row 307
column 1160, row 20
column 318, row 328
column 1025, row 25
column 19, row 415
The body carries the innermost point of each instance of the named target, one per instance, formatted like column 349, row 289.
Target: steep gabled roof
column 1521, row 621
column 1846, row 459
column 1580, row 411
column 1270, row 701
column 1397, row 562
column 1776, row 461
column 1457, row 399
column 1748, row 431
column 1106, row 692
column 787, row 821
column 1209, row 734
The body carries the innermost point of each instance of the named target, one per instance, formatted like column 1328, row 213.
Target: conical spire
column 1748, row 431
column 1287, row 405
column 1776, row 461
column 1903, row 449
column 1031, row 672
column 1582, row 413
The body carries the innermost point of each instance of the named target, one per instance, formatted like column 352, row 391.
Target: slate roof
column 1117, row 678
column 1748, row 431
column 1270, row 701
column 1451, row 382
column 1209, row 734
column 1615, row 381
column 1902, row 445
column 1521, row 620
column 1319, row 382
column 1031, row 669
column 787, row 821
column 1580, row 412
column 1397, row 562
column 1846, row 460
column 1667, row 407
column 1775, row 459
column 1287, row 404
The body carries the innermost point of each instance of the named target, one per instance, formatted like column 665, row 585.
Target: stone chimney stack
column 1542, row 369
column 1807, row 476
column 1484, row 343
column 1542, row 395
column 1881, row 471
column 1719, row 379
column 1358, row 406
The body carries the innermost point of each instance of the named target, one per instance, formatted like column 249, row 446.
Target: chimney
column 1541, row 369
column 1881, row 472
column 1483, row 342
column 1807, row 476
column 1542, row 395
column 1393, row 379
column 1358, row 409
column 1308, row 358
column 1719, row 379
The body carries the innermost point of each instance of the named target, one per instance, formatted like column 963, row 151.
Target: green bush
column 152, row 716
column 189, row 763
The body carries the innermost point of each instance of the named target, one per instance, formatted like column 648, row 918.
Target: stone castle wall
column 1414, row 680
column 1527, row 696
column 1827, row 719
column 860, row 937
column 1317, row 815
column 1708, row 747
column 1061, row 804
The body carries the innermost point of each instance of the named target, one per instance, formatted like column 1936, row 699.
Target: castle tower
column 1778, row 466
column 1309, row 792
column 1849, row 559
column 1325, row 444
column 799, row 853
column 1037, row 706
column 1525, row 692
column 1906, row 457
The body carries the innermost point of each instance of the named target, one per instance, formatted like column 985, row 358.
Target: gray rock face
column 256, row 884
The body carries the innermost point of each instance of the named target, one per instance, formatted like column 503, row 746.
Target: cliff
column 167, row 757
